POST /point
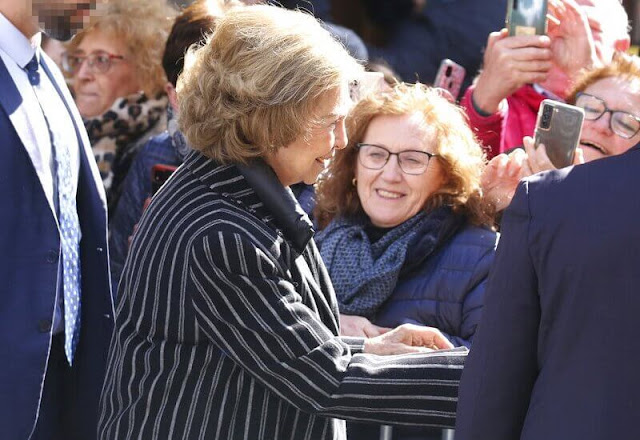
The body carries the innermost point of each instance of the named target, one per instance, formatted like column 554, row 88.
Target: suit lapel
column 30, row 128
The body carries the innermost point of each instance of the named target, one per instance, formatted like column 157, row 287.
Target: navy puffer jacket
column 447, row 290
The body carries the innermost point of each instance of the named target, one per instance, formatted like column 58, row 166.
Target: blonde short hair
column 256, row 84
column 143, row 26
column 458, row 152
column 623, row 66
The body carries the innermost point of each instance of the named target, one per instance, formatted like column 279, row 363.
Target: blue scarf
column 364, row 274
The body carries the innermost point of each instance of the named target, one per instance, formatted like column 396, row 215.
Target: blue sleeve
column 474, row 300
column 502, row 365
column 136, row 188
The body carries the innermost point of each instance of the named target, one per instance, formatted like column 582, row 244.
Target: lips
column 385, row 194
column 595, row 146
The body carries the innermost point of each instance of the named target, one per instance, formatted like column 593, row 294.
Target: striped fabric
column 226, row 331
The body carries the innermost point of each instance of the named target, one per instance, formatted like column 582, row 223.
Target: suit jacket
column 30, row 244
column 227, row 324
column 556, row 355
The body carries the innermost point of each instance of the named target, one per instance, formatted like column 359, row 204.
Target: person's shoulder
column 472, row 235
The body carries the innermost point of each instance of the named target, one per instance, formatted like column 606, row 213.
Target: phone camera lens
column 448, row 71
column 545, row 120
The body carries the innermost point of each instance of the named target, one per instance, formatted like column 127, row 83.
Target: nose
column 341, row 135
column 84, row 72
column 391, row 171
column 603, row 124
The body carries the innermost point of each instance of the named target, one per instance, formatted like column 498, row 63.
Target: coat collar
column 257, row 187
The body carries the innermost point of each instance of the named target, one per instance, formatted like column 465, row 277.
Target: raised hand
column 510, row 63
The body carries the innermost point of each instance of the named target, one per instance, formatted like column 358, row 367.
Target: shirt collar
column 546, row 93
column 13, row 42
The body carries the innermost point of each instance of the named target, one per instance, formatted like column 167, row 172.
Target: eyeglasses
column 375, row 157
column 98, row 62
column 621, row 123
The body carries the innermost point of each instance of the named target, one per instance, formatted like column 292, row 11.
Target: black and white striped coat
column 227, row 326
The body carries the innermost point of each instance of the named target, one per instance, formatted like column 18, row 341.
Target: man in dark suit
column 56, row 316
column 556, row 354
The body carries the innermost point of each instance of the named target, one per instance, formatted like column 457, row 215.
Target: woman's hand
column 407, row 338
column 539, row 161
column 572, row 41
column 353, row 325
column 509, row 63
column 500, row 178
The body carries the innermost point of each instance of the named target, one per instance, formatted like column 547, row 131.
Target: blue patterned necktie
column 69, row 229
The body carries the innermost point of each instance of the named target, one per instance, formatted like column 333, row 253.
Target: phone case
column 160, row 173
column 558, row 127
column 450, row 77
column 526, row 17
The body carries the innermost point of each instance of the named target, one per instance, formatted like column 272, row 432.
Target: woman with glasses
column 115, row 67
column 610, row 98
column 406, row 238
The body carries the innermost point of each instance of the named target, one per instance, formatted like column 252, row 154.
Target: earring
column 353, row 181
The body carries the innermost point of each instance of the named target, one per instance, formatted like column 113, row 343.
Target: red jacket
column 505, row 129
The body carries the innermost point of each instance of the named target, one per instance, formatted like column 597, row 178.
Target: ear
column 172, row 95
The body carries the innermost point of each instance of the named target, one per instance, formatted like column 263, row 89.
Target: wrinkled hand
column 407, row 338
column 510, row 63
column 572, row 44
column 353, row 325
column 500, row 178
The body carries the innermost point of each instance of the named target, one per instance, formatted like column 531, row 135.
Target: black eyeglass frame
column 90, row 59
column 611, row 112
column 360, row 145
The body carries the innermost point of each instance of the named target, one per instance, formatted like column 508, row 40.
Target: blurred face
column 389, row 196
column 305, row 158
column 95, row 90
column 598, row 139
column 62, row 18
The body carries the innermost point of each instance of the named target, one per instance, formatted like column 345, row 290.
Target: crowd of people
column 334, row 255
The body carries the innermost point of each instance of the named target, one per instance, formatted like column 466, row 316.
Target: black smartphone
column 526, row 17
column 160, row 173
column 558, row 128
column 450, row 77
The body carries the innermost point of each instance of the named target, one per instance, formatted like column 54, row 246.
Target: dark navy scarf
column 364, row 274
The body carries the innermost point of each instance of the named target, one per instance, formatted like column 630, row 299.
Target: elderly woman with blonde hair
column 115, row 70
column 227, row 325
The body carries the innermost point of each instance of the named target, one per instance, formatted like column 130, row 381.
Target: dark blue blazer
column 30, row 249
column 556, row 355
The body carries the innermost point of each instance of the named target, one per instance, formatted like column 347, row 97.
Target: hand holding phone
column 558, row 128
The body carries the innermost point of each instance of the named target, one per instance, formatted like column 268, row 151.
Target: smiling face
column 389, row 196
column 597, row 139
column 95, row 91
column 306, row 157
